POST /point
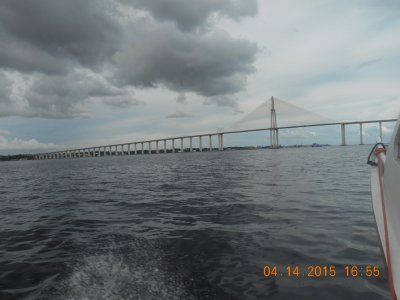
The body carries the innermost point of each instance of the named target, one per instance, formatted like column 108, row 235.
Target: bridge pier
column 191, row 144
column 173, row 146
column 361, row 135
column 210, row 143
column 343, row 131
column 220, row 142
column 149, row 147
column 181, row 144
column 200, row 145
column 165, row 146
column 157, row 151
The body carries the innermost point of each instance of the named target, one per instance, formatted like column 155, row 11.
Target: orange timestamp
column 319, row 271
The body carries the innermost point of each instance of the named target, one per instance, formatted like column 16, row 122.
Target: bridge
column 134, row 148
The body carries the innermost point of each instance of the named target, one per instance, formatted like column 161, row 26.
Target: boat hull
column 385, row 191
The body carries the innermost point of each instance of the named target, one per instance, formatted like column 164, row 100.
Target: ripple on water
column 188, row 226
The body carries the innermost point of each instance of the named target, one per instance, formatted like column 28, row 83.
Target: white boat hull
column 385, row 191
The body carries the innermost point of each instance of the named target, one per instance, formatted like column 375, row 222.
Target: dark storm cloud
column 19, row 55
column 5, row 89
column 51, row 29
column 54, row 43
column 181, row 99
column 189, row 15
column 209, row 65
column 60, row 96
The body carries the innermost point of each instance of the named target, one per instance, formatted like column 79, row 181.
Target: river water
column 190, row 226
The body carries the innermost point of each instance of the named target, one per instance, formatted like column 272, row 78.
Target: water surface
column 188, row 226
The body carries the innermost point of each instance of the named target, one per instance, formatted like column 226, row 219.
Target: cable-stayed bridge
column 273, row 115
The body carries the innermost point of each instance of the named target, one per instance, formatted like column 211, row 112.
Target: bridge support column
column 122, row 149
column 221, row 142
column 380, row 131
column 129, row 149
column 210, row 143
column 274, row 127
column 149, row 147
column 361, row 135
column 181, row 144
column 142, row 148
column 165, row 146
column 157, row 151
column 191, row 144
column 135, row 147
column 173, row 146
column 343, row 130
column 200, row 145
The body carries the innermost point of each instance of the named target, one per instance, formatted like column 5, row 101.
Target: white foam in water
column 108, row 277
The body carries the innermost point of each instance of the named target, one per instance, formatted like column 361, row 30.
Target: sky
column 85, row 73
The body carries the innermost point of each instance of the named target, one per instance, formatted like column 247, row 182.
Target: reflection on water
column 188, row 226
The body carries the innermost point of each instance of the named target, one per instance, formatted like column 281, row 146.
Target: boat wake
column 115, row 276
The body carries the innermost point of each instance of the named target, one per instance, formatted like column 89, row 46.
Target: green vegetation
column 16, row 157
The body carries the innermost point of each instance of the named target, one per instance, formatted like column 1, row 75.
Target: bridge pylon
column 274, row 138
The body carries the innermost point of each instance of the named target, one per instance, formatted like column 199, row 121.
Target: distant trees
column 16, row 157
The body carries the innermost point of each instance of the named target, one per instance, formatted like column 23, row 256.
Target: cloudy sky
column 79, row 73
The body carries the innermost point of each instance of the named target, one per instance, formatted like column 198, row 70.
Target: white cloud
column 178, row 114
column 21, row 144
column 298, row 134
